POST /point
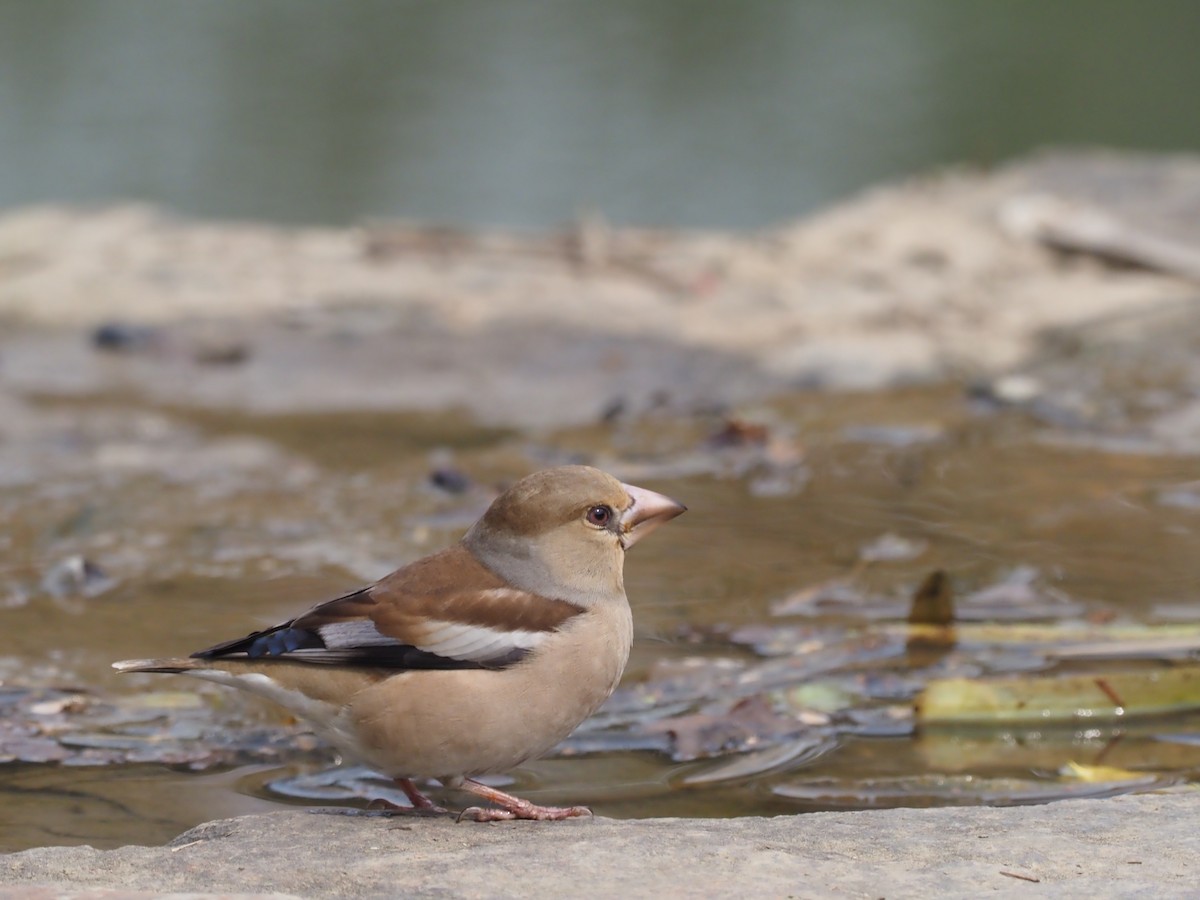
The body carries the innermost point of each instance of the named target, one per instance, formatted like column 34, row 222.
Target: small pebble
column 122, row 337
column 450, row 480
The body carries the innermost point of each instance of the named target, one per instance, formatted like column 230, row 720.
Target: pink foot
column 514, row 807
column 526, row 811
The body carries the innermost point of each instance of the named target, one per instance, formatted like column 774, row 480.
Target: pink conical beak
column 649, row 510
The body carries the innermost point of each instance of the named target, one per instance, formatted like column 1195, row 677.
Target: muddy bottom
column 772, row 673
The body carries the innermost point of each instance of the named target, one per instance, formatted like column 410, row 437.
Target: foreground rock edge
column 1127, row 845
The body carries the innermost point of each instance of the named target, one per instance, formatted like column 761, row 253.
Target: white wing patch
column 359, row 633
column 455, row 640
column 478, row 643
column 503, row 594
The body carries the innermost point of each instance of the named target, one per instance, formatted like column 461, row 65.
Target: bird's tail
column 172, row 666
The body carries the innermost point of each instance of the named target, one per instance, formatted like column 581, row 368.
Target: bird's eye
column 599, row 516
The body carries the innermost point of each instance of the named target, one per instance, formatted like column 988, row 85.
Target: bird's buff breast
column 471, row 722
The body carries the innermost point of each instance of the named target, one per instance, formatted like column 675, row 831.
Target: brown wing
column 444, row 611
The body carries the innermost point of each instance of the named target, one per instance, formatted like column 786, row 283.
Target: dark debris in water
column 729, row 728
column 126, row 337
column 71, row 727
column 450, row 479
column 770, row 459
column 1020, row 594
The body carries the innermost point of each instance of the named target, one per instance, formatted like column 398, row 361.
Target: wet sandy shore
column 958, row 275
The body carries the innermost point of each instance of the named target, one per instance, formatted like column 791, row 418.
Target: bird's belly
column 471, row 722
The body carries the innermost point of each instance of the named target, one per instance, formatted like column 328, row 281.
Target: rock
column 1129, row 846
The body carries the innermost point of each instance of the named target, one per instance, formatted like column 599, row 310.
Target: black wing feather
column 296, row 643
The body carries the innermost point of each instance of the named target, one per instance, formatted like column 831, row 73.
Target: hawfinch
column 470, row 661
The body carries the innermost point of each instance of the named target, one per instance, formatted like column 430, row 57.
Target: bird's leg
column 415, row 797
column 421, row 805
column 513, row 807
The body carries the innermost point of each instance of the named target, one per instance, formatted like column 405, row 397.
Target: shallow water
column 212, row 525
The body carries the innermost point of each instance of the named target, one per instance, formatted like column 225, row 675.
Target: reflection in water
column 528, row 113
column 111, row 807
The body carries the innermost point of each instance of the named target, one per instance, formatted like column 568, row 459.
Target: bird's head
column 567, row 527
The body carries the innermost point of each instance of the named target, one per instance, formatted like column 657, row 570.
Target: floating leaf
column 1060, row 698
column 1189, row 740
column 1142, row 640
column 1102, row 774
column 1131, row 648
column 793, row 753
column 747, row 724
column 835, row 595
column 822, row 697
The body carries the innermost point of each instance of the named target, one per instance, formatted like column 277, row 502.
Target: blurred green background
column 530, row 112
